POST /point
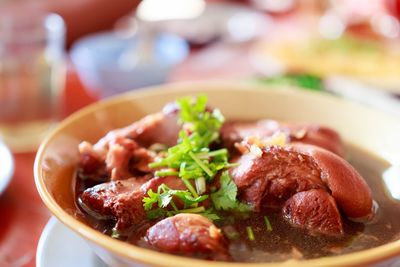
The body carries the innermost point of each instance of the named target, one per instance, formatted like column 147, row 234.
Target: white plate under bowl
column 6, row 167
column 60, row 247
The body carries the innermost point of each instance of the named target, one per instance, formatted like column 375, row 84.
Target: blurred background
column 58, row 56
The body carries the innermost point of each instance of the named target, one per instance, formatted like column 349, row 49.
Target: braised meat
column 314, row 210
column 189, row 235
column 276, row 173
column 117, row 200
column 184, row 181
column 347, row 186
column 235, row 132
column 270, row 178
column 159, row 128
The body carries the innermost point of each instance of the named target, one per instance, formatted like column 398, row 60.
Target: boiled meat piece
column 188, row 235
column 314, row 210
column 159, row 128
column 123, row 159
column 234, row 132
column 273, row 174
column 270, row 178
column 349, row 189
column 117, row 200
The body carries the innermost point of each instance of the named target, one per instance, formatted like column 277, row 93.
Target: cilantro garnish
column 163, row 198
column 193, row 161
column 225, row 197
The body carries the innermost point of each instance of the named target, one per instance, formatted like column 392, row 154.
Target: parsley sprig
column 193, row 160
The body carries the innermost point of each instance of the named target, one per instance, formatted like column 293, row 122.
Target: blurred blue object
column 100, row 61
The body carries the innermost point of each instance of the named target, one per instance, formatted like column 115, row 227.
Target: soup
column 257, row 229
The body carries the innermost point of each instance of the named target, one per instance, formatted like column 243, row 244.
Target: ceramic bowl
column 375, row 134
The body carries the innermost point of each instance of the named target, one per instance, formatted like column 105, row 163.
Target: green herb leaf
column 306, row 81
column 150, row 200
column 156, row 213
column 210, row 214
column 192, row 159
column 225, row 197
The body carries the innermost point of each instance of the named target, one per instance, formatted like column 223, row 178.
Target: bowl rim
column 154, row 258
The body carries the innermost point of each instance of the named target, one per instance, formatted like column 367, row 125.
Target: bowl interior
column 374, row 132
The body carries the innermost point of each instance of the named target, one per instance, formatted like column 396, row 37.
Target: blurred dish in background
column 376, row 19
column 224, row 22
column 100, row 63
column 351, row 89
column 6, row 167
column 375, row 63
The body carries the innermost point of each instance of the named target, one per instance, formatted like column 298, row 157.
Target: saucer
column 6, row 167
column 60, row 247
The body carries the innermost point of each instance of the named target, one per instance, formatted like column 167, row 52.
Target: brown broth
column 286, row 242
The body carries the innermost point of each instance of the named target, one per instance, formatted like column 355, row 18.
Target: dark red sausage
column 314, row 210
column 189, row 235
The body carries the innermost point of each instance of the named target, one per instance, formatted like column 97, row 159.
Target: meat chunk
column 270, row 178
column 122, row 152
column 276, row 173
column 188, row 235
column 349, row 189
column 315, row 211
column 123, row 159
column 118, row 200
column 233, row 132
column 159, row 127
column 90, row 166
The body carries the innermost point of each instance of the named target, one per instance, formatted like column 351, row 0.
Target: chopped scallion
column 200, row 185
column 167, row 172
column 115, row 233
column 157, row 164
column 250, row 233
column 190, row 187
column 201, row 164
column 267, row 223
column 192, row 210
